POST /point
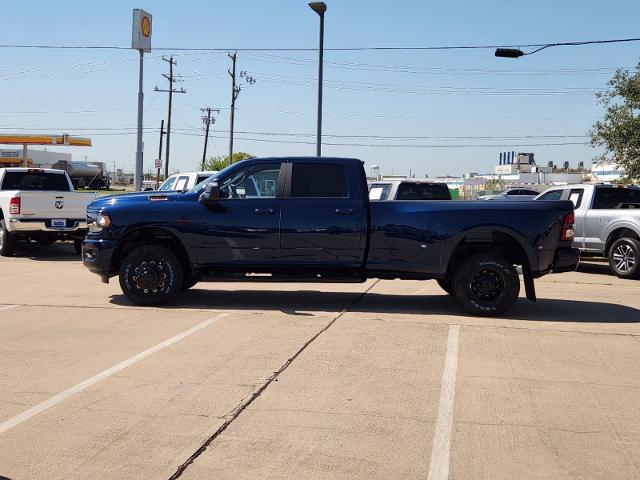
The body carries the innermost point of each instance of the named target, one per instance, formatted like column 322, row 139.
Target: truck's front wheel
column 624, row 258
column 486, row 284
column 7, row 240
column 150, row 275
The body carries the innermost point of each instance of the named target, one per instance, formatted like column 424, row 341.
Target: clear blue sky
column 413, row 94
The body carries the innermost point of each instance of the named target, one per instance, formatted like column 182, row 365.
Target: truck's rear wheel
column 7, row 241
column 150, row 275
column 486, row 284
column 624, row 258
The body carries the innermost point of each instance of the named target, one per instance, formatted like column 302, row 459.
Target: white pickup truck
column 40, row 205
column 607, row 223
column 182, row 182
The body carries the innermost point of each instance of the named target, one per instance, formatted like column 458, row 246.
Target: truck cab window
column 423, row 191
column 35, row 180
column 318, row 180
column 576, row 197
column 552, row 195
column 608, row 198
column 168, row 184
column 379, row 191
column 255, row 181
column 181, row 183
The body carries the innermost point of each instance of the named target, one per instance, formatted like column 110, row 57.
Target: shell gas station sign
column 141, row 34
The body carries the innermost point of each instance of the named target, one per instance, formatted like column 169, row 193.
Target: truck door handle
column 345, row 211
column 264, row 211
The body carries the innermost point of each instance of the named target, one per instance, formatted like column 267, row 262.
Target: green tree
column 494, row 185
column 618, row 133
column 218, row 163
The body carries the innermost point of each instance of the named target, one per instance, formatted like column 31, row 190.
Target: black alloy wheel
column 150, row 275
column 624, row 258
column 486, row 284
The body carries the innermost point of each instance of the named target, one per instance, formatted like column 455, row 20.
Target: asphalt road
column 382, row 380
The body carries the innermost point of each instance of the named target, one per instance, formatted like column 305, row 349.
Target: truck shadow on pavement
column 300, row 302
column 57, row 252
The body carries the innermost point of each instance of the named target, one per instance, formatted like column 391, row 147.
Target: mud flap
column 529, row 286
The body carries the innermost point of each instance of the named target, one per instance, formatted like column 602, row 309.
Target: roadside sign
column 141, row 33
column 158, row 163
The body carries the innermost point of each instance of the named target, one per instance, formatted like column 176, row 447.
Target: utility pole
column 159, row 165
column 170, row 91
column 235, row 91
column 207, row 120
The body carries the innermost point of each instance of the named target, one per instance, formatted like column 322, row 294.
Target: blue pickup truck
column 310, row 220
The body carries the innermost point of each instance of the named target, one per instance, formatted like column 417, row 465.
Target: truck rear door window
column 423, row 191
column 379, row 191
column 608, row 198
column 34, row 180
column 181, row 183
column 318, row 180
column 576, row 197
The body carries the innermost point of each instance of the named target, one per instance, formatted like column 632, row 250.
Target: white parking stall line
column 441, row 449
column 7, row 307
column 60, row 397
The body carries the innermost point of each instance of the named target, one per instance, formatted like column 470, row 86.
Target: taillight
column 14, row 206
column 567, row 226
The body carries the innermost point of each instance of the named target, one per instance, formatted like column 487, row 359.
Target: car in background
column 181, row 182
column 408, row 189
column 513, row 194
column 607, row 223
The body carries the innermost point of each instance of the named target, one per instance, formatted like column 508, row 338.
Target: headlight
column 97, row 223
column 103, row 220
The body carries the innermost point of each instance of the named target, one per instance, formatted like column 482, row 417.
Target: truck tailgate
column 49, row 204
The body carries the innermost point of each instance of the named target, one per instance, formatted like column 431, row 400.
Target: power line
column 498, row 145
column 335, row 49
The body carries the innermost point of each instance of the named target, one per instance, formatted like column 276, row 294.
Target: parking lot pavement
column 385, row 379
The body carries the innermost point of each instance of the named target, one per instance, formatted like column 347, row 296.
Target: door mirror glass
column 211, row 194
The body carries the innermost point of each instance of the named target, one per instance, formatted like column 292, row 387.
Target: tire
column 446, row 285
column 150, row 275
column 188, row 283
column 624, row 258
column 77, row 246
column 486, row 285
column 7, row 241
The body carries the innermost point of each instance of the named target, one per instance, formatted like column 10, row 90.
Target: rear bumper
column 44, row 225
column 97, row 256
column 566, row 260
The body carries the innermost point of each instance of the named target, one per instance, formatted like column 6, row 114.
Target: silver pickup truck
column 607, row 223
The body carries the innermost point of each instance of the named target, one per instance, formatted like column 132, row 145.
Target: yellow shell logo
column 146, row 26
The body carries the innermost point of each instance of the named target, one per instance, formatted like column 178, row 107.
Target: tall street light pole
column 319, row 8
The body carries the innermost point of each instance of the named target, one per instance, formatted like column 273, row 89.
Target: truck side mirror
column 211, row 194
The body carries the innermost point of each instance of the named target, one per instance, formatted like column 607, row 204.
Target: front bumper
column 44, row 225
column 97, row 256
column 566, row 260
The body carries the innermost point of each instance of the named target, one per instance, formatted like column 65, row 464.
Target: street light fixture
column 516, row 52
column 319, row 8
column 509, row 52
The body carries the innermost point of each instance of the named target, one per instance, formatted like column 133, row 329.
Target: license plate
column 58, row 222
